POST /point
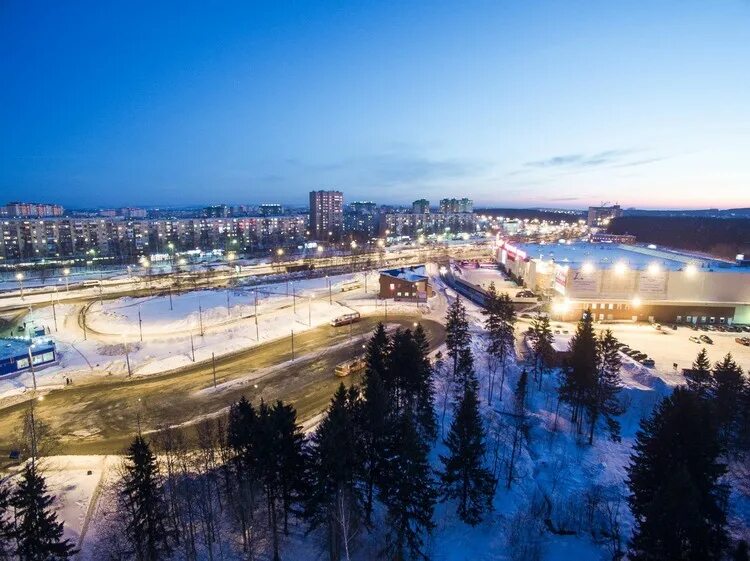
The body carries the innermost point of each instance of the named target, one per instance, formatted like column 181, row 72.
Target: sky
column 512, row 103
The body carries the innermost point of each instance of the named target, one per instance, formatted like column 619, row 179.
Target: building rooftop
column 638, row 257
column 407, row 274
column 12, row 348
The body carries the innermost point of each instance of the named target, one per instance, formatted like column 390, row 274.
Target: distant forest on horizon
column 722, row 237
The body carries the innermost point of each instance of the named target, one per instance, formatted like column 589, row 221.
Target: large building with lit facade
column 326, row 214
column 631, row 282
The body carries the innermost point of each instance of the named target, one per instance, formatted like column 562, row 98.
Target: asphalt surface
column 102, row 416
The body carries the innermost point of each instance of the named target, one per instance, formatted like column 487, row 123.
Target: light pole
column 66, row 273
column 19, row 278
column 54, row 312
column 257, row 329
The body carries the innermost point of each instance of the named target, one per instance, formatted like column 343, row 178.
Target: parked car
column 743, row 341
column 695, row 339
column 640, row 356
column 649, row 362
column 706, row 339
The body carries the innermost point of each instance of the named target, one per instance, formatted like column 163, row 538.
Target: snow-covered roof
column 14, row 348
column 604, row 255
column 407, row 274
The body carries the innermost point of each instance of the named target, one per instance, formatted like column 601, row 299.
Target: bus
column 350, row 366
column 346, row 319
column 350, row 285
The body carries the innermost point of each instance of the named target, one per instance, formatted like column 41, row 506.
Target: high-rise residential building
column 270, row 209
column 30, row 210
column 326, row 214
column 453, row 206
column 217, row 211
column 361, row 217
column 131, row 212
column 422, row 206
column 601, row 215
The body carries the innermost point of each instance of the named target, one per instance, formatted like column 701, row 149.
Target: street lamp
column 19, row 278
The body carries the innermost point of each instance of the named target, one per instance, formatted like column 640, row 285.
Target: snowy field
column 167, row 333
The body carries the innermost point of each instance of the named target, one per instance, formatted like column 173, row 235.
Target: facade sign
column 561, row 279
column 652, row 285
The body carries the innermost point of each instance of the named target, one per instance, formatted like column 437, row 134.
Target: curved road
column 102, row 416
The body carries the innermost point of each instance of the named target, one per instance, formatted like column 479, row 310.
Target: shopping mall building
column 632, row 282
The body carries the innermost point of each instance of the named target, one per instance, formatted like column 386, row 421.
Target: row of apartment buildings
column 60, row 238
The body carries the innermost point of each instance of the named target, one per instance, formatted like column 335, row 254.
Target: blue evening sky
column 557, row 103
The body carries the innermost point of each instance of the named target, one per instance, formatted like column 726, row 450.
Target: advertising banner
column 584, row 282
column 652, row 285
column 561, row 279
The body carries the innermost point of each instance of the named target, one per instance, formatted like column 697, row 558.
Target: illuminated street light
column 620, row 267
column 321, row 249
column 19, row 278
column 66, row 273
column 280, row 252
column 636, row 302
column 691, row 270
column 354, row 244
column 654, row 268
column 587, row 268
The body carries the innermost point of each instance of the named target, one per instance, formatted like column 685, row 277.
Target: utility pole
column 85, row 333
column 140, row 324
column 257, row 329
column 170, row 298
column 192, row 347
column 213, row 367
column 292, row 345
column 294, row 299
column 309, row 311
column 330, row 293
column 200, row 318
column 228, row 313
column 31, row 365
column 127, row 360
column 54, row 312
column 386, row 309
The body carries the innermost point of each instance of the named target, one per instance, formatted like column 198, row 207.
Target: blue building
column 15, row 354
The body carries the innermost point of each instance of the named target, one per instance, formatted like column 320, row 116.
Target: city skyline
column 518, row 105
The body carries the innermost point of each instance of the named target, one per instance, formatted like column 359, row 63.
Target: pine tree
column 142, row 501
column 579, row 375
column 425, row 392
column 464, row 476
column 674, row 476
column 541, row 347
column 38, row 534
column 6, row 525
column 334, row 500
column 465, row 378
column 407, row 492
column 500, row 330
column 728, row 391
column 698, row 379
column 242, row 440
column 741, row 552
column 601, row 400
column 373, row 418
column 457, row 335
column 519, row 423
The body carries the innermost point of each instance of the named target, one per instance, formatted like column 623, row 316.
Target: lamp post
column 19, row 278
column 66, row 273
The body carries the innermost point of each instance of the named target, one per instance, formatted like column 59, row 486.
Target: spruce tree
column 38, row 533
column 698, row 379
column 6, row 524
column 541, row 347
column 579, row 374
column 465, row 378
column 407, row 492
column 500, row 331
column 334, row 500
column 457, row 336
column 740, row 552
column 142, row 501
column 601, row 400
column 290, row 460
column 728, row 391
column 519, row 422
column 464, row 476
column 242, row 441
column 373, row 418
column 674, row 476
column 425, row 391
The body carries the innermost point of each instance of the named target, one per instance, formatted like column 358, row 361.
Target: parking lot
column 668, row 346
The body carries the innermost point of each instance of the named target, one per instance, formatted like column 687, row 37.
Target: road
column 101, row 416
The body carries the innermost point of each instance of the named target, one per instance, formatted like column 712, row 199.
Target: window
column 611, row 306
